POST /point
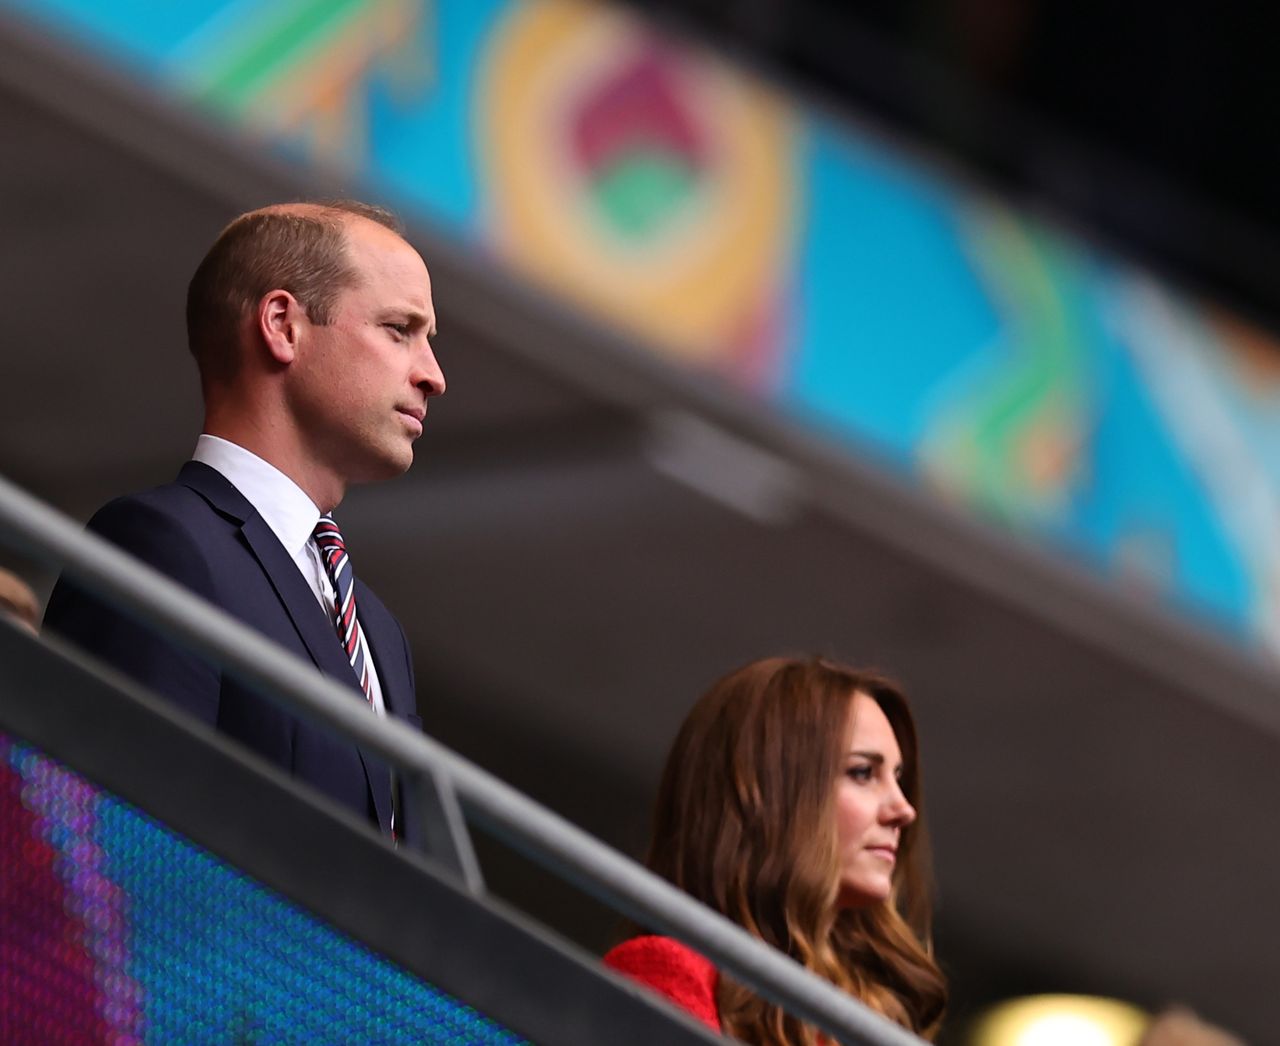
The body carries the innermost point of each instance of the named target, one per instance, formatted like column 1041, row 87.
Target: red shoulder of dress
column 672, row 969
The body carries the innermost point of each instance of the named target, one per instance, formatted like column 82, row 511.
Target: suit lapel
column 308, row 616
column 386, row 644
column 299, row 602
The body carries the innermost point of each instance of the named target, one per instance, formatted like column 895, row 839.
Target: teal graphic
column 998, row 362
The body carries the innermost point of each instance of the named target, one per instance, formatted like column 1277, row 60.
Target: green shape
column 272, row 47
column 1030, row 278
column 641, row 191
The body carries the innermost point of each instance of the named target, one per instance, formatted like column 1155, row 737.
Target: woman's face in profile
column 871, row 810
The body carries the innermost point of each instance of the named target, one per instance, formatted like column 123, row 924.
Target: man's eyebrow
column 415, row 319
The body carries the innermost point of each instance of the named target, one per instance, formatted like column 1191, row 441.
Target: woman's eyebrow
column 877, row 758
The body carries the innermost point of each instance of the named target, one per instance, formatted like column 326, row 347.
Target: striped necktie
column 333, row 551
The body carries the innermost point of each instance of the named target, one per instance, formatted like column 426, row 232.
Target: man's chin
column 384, row 467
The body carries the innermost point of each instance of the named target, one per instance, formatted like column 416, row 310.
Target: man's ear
column 280, row 321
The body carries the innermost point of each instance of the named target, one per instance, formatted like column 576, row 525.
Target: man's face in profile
column 360, row 394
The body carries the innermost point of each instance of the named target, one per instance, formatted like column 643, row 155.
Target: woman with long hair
column 791, row 804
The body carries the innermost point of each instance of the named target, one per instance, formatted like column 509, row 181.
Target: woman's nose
column 898, row 809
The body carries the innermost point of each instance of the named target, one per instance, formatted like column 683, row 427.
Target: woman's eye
column 861, row 774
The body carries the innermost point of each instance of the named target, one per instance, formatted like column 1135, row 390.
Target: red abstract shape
column 47, row 985
column 637, row 108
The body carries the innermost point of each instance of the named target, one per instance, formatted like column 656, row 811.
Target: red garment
column 671, row 969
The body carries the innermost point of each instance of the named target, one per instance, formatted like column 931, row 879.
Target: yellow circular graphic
column 646, row 182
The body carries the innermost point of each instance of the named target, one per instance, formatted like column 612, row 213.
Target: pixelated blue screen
column 115, row 929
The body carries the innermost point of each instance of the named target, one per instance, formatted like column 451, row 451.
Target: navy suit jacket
column 202, row 532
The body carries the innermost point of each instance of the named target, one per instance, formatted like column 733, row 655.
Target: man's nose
column 428, row 376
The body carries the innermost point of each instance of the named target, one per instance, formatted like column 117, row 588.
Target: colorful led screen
column 115, row 929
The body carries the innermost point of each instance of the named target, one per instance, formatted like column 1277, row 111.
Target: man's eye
column 400, row 329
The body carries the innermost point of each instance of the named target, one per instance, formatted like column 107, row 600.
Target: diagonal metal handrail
column 537, row 832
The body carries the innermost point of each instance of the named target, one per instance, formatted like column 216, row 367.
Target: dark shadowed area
column 1100, row 779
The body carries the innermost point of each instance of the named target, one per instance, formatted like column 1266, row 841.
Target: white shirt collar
column 281, row 503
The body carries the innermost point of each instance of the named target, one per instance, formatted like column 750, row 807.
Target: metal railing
column 447, row 784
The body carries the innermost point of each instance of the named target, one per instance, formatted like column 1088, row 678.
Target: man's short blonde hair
column 300, row 248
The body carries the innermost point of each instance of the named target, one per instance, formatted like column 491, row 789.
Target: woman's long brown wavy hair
column 745, row 822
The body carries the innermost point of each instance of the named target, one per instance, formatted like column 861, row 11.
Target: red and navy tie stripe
column 333, row 551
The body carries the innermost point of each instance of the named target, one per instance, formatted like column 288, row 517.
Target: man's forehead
column 382, row 260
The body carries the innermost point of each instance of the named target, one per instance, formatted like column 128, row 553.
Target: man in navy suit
column 310, row 325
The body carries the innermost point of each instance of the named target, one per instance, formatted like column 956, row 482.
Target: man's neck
column 279, row 450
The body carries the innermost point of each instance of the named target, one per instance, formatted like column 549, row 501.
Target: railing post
column 446, row 840
column 441, row 779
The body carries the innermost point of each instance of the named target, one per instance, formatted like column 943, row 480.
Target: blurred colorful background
column 1002, row 363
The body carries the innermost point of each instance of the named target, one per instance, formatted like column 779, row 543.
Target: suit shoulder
column 148, row 528
column 173, row 506
column 169, row 527
column 172, row 500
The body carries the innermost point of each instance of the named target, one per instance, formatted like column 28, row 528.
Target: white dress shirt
column 292, row 516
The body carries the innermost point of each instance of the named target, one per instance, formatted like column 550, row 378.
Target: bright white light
column 1060, row 1020
column 1064, row 1029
